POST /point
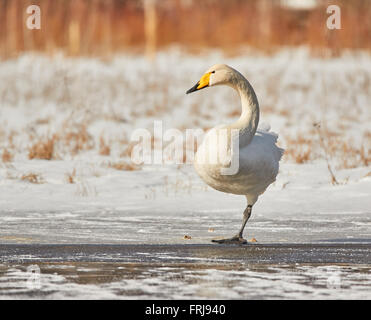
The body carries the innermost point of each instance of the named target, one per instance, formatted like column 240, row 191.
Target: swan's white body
column 255, row 152
column 257, row 169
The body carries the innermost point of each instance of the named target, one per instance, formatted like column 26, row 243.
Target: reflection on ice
column 199, row 281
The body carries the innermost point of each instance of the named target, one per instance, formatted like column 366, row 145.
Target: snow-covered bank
column 304, row 187
column 87, row 104
column 80, row 113
column 163, row 204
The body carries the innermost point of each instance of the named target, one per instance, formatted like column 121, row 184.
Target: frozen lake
column 118, row 255
column 276, row 271
column 134, row 237
column 143, row 227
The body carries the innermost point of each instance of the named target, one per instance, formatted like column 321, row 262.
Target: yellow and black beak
column 203, row 83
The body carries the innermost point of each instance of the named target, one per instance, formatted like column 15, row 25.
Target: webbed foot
column 233, row 240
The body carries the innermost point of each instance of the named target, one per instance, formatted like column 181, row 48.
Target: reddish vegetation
column 104, row 149
column 101, row 27
column 32, row 178
column 122, row 165
column 76, row 137
column 6, row 156
column 71, row 177
column 346, row 152
column 42, row 149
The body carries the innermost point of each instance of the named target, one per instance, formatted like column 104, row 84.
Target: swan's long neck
column 249, row 119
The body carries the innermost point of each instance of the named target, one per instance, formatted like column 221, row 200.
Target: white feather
column 255, row 151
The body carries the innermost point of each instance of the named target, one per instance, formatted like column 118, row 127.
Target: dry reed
column 32, row 178
column 42, row 149
column 101, row 27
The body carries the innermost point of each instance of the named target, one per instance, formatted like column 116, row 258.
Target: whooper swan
column 236, row 158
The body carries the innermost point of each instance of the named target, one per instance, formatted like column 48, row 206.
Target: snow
column 41, row 96
column 113, row 98
column 121, row 206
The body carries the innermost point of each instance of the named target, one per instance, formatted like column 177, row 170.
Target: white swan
column 237, row 158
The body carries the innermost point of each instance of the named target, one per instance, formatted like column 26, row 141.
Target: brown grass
column 104, row 149
column 125, row 166
column 6, row 156
column 76, row 138
column 32, row 178
column 128, row 150
column 101, row 27
column 299, row 149
column 322, row 142
column 42, row 149
column 344, row 153
column 71, row 176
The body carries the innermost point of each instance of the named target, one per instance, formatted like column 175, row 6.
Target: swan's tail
column 280, row 152
column 264, row 129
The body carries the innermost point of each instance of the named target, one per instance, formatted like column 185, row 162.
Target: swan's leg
column 246, row 216
column 238, row 238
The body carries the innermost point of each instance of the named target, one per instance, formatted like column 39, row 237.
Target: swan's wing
column 262, row 150
column 261, row 157
column 270, row 139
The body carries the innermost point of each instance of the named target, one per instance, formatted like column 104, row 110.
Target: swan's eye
column 213, row 71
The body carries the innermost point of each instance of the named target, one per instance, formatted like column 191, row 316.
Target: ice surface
column 110, row 281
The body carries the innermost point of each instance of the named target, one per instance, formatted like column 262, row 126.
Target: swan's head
column 217, row 74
